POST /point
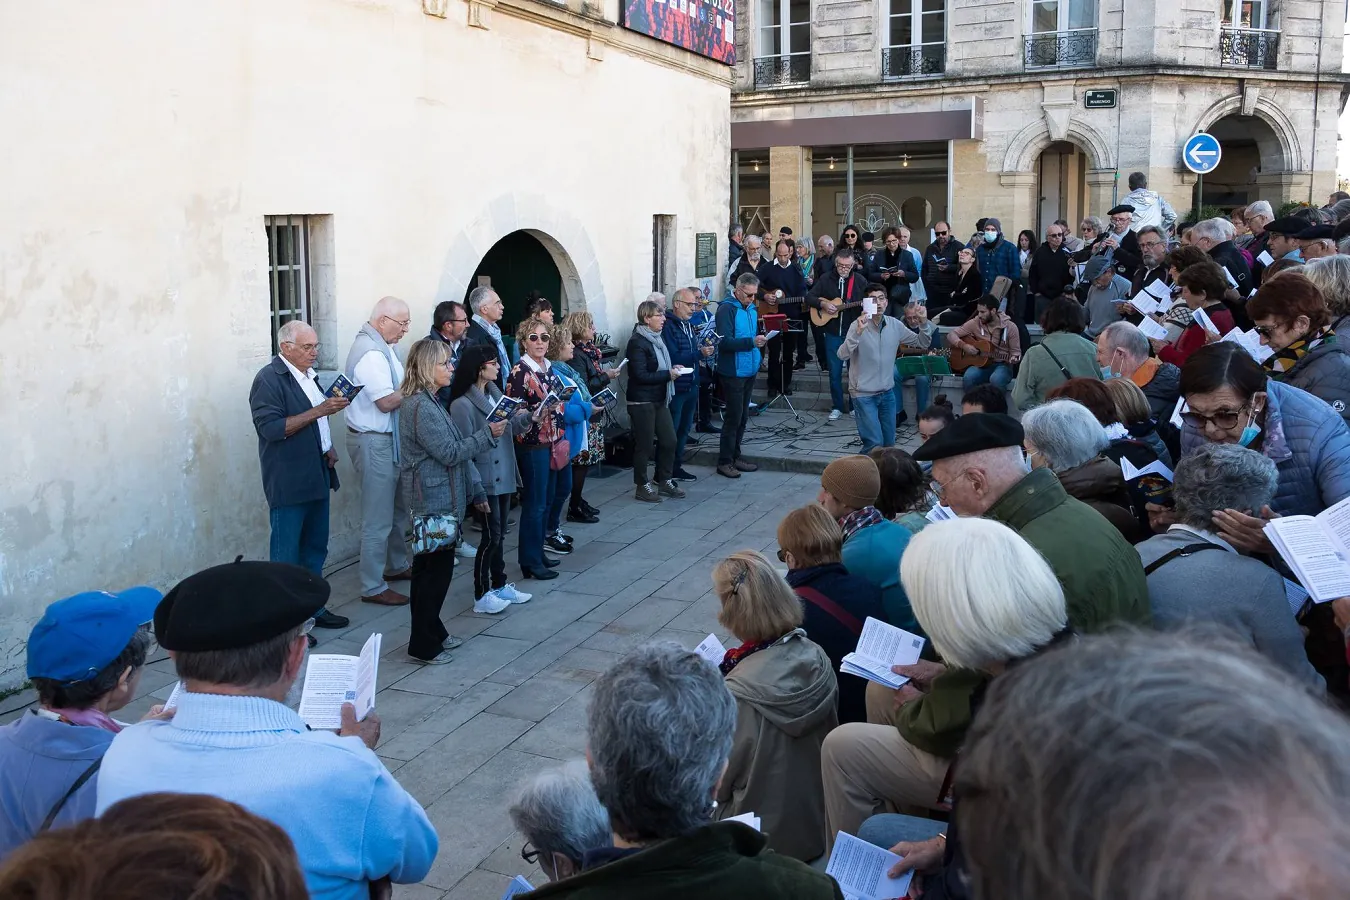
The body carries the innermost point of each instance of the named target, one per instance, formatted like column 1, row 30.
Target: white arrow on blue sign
column 1201, row 154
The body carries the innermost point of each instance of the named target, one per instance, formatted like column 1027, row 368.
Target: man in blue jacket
column 295, row 448
column 738, row 357
column 997, row 256
column 681, row 339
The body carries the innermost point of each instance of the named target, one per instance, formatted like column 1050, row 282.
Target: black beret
column 1341, row 230
column 1288, row 226
column 971, row 433
column 237, row 605
column 867, row 236
column 1122, row 208
column 785, row 230
column 1316, row 233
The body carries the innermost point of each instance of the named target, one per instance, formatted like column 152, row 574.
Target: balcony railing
column 1249, row 48
column 913, row 62
column 779, row 71
column 1075, row 49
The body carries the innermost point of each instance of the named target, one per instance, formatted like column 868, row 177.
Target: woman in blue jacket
column 576, row 414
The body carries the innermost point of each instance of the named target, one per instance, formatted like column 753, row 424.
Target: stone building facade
column 985, row 103
column 180, row 178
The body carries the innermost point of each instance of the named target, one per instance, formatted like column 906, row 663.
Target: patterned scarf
column 736, row 654
column 1282, row 361
column 807, row 265
column 859, row 519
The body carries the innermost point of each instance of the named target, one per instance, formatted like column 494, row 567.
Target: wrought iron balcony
column 1075, row 49
column 1249, row 48
column 913, row 62
column 779, row 71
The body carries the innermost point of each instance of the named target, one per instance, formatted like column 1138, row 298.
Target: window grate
column 288, row 267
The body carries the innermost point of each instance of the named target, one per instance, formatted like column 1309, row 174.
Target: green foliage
column 1288, row 208
column 1204, row 212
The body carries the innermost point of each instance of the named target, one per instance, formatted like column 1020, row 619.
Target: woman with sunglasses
column 532, row 381
column 851, row 237
column 1292, row 319
column 1231, row 400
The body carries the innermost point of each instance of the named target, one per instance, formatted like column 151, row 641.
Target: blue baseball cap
column 80, row 636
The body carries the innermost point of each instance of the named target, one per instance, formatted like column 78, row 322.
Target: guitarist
column 839, row 294
column 999, row 341
column 783, row 288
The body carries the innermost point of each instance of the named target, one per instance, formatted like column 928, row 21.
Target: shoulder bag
column 1174, row 554
column 61, row 804
column 432, row 532
column 1065, row 371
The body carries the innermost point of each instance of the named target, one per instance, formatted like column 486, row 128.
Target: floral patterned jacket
column 531, row 384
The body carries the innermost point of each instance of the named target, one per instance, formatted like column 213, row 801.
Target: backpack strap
column 60, row 804
column 841, row 615
column 1179, row 552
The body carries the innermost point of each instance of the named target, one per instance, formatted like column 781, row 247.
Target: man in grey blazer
column 295, row 449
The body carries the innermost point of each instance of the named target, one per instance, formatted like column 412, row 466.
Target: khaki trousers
column 867, row 768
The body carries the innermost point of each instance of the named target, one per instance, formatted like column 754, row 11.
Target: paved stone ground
column 461, row 736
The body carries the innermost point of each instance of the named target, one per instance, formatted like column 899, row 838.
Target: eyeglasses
column 402, row 323
column 1053, row 234
column 542, row 338
column 456, row 321
column 308, row 348
column 529, row 854
column 1224, row 419
column 938, row 487
column 1149, row 245
column 782, row 555
column 1264, row 330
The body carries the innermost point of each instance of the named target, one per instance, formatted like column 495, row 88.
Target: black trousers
column 703, row 417
column 430, row 583
column 652, row 420
column 579, row 474
column 489, row 566
column 737, row 392
column 780, row 362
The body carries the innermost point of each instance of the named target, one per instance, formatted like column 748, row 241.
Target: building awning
column 948, row 125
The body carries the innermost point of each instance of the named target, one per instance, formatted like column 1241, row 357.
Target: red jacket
column 1193, row 338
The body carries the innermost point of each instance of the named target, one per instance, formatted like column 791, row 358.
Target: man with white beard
column 236, row 634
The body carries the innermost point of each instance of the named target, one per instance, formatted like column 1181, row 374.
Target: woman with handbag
column 541, row 449
column 473, row 396
column 439, row 479
column 651, row 384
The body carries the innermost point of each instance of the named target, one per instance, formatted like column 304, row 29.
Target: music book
column 1296, row 595
column 1156, row 297
column 1150, row 328
column 1154, row 468
column 604, row 397
column 332, row 679
column 173, row 697
column 518, row 885
column 939, row 513
column 711, row 649
column 1317, row 549
column 504, row 409
column 881, row 646
column 747, row 819
column 1251, row 342
column 861, row 870
column 1265, row 258
column 567, row 393
column 343, row 387
column 1204, row 321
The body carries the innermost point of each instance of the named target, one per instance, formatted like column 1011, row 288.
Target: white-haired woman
column 561, row 819
column 1196, row 576
column 978, row 620
column 1066, row 438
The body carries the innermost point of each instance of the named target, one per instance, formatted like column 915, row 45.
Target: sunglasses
column 543, row 338
column 1263, row 330
column 940, row 233
column 782, row 555
column 847, row 236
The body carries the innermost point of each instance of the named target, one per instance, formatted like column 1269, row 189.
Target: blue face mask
column 1296, row 253
column 990, row 237
column 1250, row 432
column 1107, row 374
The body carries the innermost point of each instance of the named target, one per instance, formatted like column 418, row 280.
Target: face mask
column 1108, row 374
column 1026, row 464
column 990, row 237
column 1250, row 432
column 1296, row 253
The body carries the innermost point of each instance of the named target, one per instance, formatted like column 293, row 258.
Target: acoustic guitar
column 769, row 305
column 820, row 318
column 960, row 360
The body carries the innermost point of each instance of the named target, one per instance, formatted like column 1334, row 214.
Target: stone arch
column 1280, row 149
column 1028, row 143
column 561, row 233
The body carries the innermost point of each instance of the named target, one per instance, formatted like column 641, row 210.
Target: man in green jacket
column 978, row 470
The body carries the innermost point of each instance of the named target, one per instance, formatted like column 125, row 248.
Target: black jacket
column 1259, row 244
column 293, row 468
column 827, row 288
column 968, row 292
column 1049, row 275
column 477, row 334
column 824, row 266
column 898, row 286
column 746, row 266
column 1126, row 257
column 584, row 366
column 940, row 284
column 647, row 382
column 858, row 597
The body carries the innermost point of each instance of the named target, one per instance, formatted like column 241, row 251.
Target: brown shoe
column 405, row 575
column 387, row 597
column 746, row 465
column 728, row 470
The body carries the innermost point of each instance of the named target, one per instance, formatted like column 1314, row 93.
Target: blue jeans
column 888, row 829
column 536, row 493
column 999, row 375
column 300, row 535
column 922, row 386
column 562, row 494
column 682, row 407
column 832, row 344
column 875, row 415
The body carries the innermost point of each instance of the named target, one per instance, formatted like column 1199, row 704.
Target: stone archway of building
column 521, row 262
column 557, row 231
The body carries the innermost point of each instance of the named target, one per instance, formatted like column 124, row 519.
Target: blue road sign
column 1202, row 153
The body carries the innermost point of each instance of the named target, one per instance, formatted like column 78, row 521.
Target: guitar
column 960, row 360
column 820, row 318
column 768, row 304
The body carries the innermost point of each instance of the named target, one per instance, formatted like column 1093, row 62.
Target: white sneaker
column 490, row 603
column 835, row 415
column 441, row 659
column 465, row 550
column 509, row 593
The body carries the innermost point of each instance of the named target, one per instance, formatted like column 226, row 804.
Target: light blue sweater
column 350, row 820
column 874, row 553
